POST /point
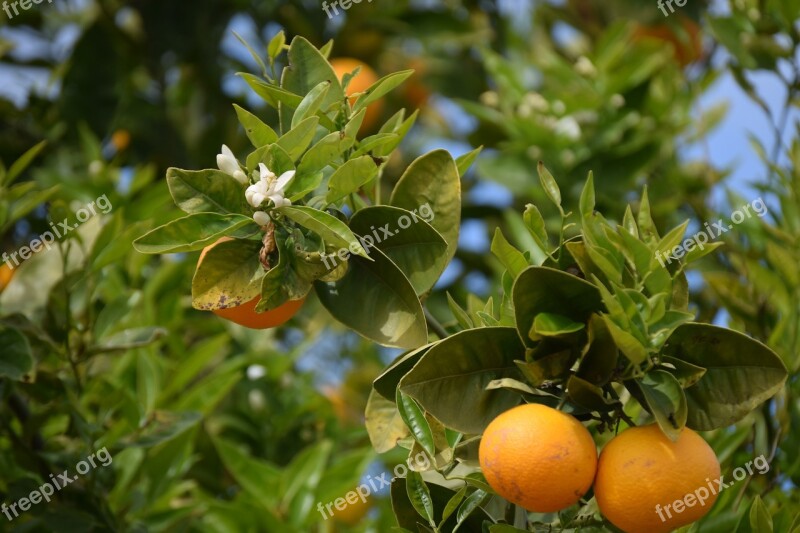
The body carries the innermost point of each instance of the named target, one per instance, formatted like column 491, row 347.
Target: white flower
column 584, row 67
column 536, row 102
column 227, row 163
column 490, row 99
column 568, row 127
column 261, row 218
column 269, row 187
column 617, row 100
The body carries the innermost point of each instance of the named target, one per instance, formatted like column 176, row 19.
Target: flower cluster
column 268, row 187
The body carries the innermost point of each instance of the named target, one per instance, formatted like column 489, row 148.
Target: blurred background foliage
column 215, row 428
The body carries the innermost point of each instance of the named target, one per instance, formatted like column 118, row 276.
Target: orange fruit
column 365, row 78
column 353, row 513
column 642, row 473
column 121, row 139
column 539, row 458
column 245, row 314
column 6, row 273
column 686, row 43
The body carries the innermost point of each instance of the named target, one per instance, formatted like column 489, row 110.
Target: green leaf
column 550, row 186
column 333, row 231
column 433, row 179
column 420, row 496
column 307, row 69
column 350, row 177
column 587, row 201
column 687, row 374
column 311, row 103
column 453, row 504
column 553, row 325
column 462, row 317
column 305, row 471
column 259, row 133
column 387, row 310
column 510, row 257
column 647, row 227
column 417, row 249
column 259, row 478
column 205, row 191
column 760, row 519
column 253, row 53
column 600, row 354
column 741, row 373
column 299, row 138
column 272, row 94
column 546, row 290
column 276, row 159
column 463, row 162
column 163, row 427
column 375, row 143
column 386, row 383
column 470, row 505
column 381, row 88
column 627, row 343
column 666, row 401
column 672, row 239
column 17, row 360
column 276, row 45
column 401, row 131
column 323, row 153
column 194, row 232
column 19, row 166
column 536, row 226
column 384, row 424
column 128, row 339
column 282, row 282
column 229, row 275
column 588, row 396
column 466, row 361
column 414, row 418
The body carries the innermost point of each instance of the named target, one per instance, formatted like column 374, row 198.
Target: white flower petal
column 241, row 177
column 261, row 218
column 284, row 180
column 227, row 165
column 266, row 174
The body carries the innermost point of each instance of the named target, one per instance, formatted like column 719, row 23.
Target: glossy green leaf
column 433, row 179
column 600, row 355
column 205, row 191
column 350, row 177
column 466, row 361
column 333, row 231
column 19, row 166
column 326, row 151
column 297, row 140
column 414, row 246
column 194, row 232
column 376, row 300
column 546, row 290
column 272, row 94
column 510, row 257
column 553, row 325
column 17, row 360
column 384, row 424
column 381, row 88
column 259, row 133
column 128, row 339
column 741, row 373
column 666, row 401
column 311, row 103
column 229, row 275
column 550, row 186
column 464, row 162
column 420, row 496
column 259, row 478
column 414, row 418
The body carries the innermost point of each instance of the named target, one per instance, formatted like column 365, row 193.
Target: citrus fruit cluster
column 545, row 460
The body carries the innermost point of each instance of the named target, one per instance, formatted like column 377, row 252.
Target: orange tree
column 592, row 321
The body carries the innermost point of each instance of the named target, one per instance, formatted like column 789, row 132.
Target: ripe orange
column 641, row 472
column 353, row 513
column 363, row 81
column 121, row 139
column 6, row 273
column 539, row 458
column 687, row 44
column 245, row 314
